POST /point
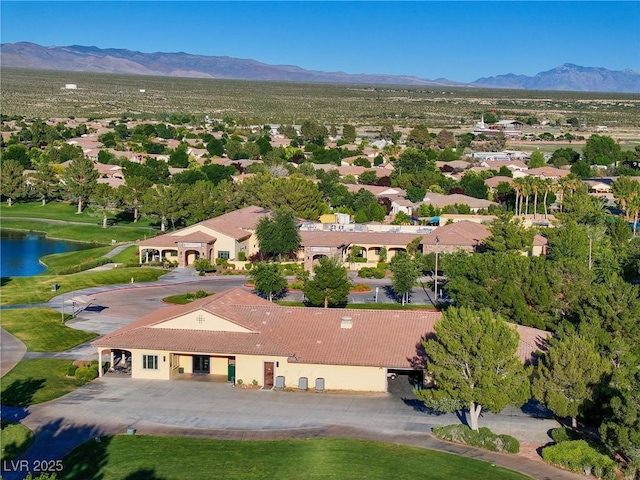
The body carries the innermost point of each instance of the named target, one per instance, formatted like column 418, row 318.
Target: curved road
column 113, row 405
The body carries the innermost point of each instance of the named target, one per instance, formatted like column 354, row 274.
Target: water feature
column 20, row 252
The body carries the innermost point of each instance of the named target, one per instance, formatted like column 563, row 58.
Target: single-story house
column 468, row 236
column 220, row 237
column 439, row 200
column 236, row 335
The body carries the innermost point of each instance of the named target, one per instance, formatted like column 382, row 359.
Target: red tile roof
column 380, row 338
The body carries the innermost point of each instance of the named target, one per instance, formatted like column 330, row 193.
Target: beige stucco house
column 220, row 237
column 236, row 335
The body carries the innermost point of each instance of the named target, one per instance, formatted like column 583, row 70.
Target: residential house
column 235, row 335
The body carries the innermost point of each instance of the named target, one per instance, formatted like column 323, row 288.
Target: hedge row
column 483, row 438
column 578, row 456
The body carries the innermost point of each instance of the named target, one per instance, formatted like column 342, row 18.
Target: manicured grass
column 128, row 255
column 52, row 210
column 14, row 440
column 42, row 330
column 80, row 233
column 182, row 458
column 60, row 261
column 66, row 212
column 37, row 380
column 22, row 290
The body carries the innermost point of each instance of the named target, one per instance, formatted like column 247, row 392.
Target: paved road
column 12, row 351
column 115, row 404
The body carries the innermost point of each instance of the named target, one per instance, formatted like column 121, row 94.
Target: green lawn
column 42, row 330
column 60, row 261
column 14, row 440
column 81, row 233
column 128, row 255
column 21, row 290
column 66, row 212
column 37, row 380
column 167, row 458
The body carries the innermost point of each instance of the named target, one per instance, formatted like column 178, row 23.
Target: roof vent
column 346, row 322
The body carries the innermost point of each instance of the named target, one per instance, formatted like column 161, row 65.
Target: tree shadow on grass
column 13, row 449
column 144, row 474
column 53, row 441
column 4, row 281
column 20, row 393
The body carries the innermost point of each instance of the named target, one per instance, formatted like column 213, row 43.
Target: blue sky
column 459, row 41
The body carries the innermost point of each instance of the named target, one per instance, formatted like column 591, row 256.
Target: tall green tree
column 419, row 137
column 536, row 160
column 12, row 184
column 405, row 274
column 349, row 133
column 601, row 150
column 621, row 430
column 165, row 203
column 104, row 200
column 474, row 363
column 268, row 280
column 330, row 284
column 509, row 235
column 44, row 182
column 132, row 193
column 568, row 376
column 80, row 179
column 278, row 235
column 200, row 201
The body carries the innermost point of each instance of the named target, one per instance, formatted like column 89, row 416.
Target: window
column 224, row 254
column 150, row 362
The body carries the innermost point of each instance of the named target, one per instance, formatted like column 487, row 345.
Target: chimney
column 346, row 322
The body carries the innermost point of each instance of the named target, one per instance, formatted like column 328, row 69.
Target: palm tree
column 518, row 186
column 528, row 188
column 535, row 185
column 623, row 189
column 547, row 186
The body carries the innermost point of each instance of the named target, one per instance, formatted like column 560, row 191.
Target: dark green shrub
column 371, row 272
column 242, row 256
column 577, row 456
column 203, row 265
column 564, row 434
column 511, row 445
column 383, row 265
column 483, row 438
column 71, row 370
column 87, row 373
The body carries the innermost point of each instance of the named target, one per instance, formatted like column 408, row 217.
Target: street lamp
column 590, row 235
column 435, row 276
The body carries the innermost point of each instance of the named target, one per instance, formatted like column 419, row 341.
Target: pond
column 20, row 252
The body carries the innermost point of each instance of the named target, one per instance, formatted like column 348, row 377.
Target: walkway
column 113, row 405
column 11, row 351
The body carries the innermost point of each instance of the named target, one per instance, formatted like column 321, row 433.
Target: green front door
column 231, row 373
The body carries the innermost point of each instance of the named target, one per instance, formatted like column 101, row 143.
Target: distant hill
column 569, row 77
column 92, row 59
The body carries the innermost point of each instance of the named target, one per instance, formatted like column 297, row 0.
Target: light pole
column 590, row 244
column 435, row 275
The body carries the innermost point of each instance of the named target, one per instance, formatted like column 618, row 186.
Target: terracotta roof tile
column 380, row 338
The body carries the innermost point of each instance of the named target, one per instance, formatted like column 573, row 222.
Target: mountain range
column 120, row 61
